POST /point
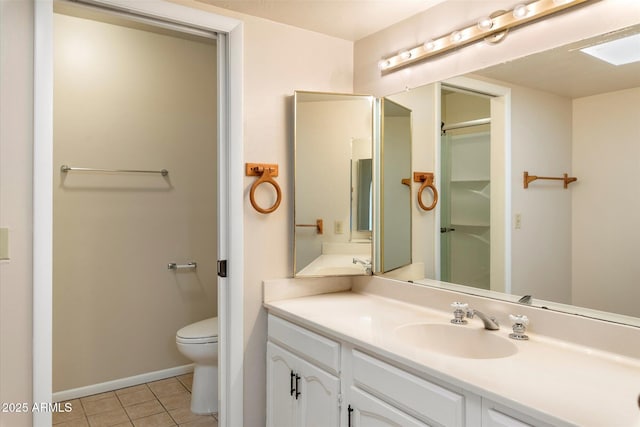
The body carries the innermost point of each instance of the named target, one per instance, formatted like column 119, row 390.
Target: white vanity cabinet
column 303, row 388
column 314, row 381
column 419, row 401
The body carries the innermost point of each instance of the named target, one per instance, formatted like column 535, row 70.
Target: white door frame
column 501, row 218
column 230, row 194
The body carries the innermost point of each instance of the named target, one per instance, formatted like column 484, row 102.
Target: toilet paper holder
column 174, row 266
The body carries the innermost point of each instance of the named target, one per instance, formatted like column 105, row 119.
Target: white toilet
column 199, row 342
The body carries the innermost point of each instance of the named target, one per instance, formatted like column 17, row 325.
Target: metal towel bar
column 174, row 266
column 65, row 168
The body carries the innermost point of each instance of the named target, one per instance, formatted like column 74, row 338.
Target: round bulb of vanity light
column 404, row 55
column 384, row 64
column 485, row 23
column 520, row 11
column 456, row 36
column 429, row 45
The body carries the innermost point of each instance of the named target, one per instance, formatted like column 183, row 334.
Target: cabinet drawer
column 414, row 395
column 320, row 350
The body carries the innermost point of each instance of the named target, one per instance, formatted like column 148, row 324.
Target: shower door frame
column 230, row 196
column 501, row 222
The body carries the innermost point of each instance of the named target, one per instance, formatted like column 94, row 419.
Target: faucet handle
column 520, row 323
column 460, row 310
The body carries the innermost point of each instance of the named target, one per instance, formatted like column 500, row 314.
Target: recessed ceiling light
column 617, row 52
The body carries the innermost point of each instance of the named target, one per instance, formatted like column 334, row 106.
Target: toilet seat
column 202, row 332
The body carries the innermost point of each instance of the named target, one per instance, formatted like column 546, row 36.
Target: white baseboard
column 75, row 393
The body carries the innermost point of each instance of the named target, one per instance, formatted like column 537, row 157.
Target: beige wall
column 16, row 208
column 606, row 160
column 126, row 98
column 541, row 145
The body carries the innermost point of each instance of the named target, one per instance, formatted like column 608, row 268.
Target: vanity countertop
column 553, row 380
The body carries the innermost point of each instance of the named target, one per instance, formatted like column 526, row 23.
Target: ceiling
column 568, row 72
column 345, row 19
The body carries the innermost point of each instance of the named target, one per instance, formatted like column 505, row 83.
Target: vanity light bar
column 498, row 22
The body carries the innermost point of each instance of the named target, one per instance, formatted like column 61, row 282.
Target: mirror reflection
column 395, row 187
column 333, row 184
column 564, row 112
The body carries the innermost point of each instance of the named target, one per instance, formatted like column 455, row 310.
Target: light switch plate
column 4, row 243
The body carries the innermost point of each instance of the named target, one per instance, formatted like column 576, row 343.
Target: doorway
column 484, row 228
column 230, row 190
column 131, row 100
column 465, row 214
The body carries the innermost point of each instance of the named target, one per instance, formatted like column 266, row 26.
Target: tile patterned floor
column 161, row 403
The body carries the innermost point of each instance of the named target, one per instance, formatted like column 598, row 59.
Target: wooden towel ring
column 266, row 173
column 427, row 182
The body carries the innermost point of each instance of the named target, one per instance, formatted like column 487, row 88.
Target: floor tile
column 205, row 422
column 75, row 413
column 134, row 397
column 144, row 409
column 79, row 422
column 161, row 403
column 97, row 396
column 158, row 420
column 166, row 387
column 108, row 419
column 107, row 404
column 184, row 415
column 186, row 380
column 175, row 401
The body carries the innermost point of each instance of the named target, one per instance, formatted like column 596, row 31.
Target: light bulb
column 429, row 45
column 456, row 36
column 485, row 23
column 404, row 55
column 383, row 64
column 520, row 11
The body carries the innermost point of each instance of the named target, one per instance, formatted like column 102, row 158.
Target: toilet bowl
column 199, row 342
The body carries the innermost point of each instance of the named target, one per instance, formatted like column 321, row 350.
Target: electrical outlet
column 517, row 223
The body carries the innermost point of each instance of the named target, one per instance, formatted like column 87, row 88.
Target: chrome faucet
column 365, row 263
column 489, row 322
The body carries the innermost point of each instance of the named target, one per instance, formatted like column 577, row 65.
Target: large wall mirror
column 555, row 112
column 333, row 184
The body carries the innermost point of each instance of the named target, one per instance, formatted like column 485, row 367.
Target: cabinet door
column 318, row 404
column 368, row 411
column 280, row 402
column 496, row 415
column 299, row 393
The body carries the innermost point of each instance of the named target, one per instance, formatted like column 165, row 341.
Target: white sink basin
column 456, row 340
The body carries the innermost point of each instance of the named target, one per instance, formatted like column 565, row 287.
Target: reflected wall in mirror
column 333, row 140
column 394, row 145
column 572, row 249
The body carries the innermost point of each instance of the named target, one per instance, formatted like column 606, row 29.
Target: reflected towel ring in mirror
column 427, row 182
column 266, row 172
